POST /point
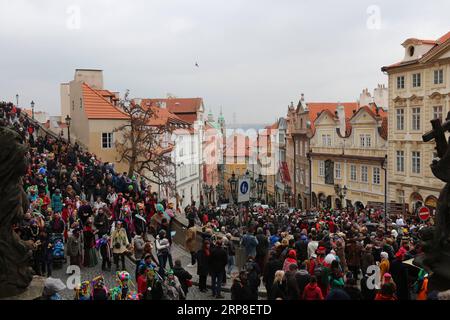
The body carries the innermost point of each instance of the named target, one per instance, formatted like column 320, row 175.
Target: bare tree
column 145, row 146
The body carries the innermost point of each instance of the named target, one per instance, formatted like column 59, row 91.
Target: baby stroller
column 58, row 255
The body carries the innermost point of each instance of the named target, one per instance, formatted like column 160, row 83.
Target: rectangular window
column 439, row 76
column 401, row 82
column 400, row 161
column 376, row 175
column 416, row 81
column 107, row 140
column 321, row 168
column 415, row 162
column 326, row 140
column 400, row 119
column 416, row 119
column 437, row 112
column 365, row 140
column 364, row 174
column 353, row 172
column 338, row 170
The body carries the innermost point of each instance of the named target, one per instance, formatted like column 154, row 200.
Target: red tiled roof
column 177, row 105
column 383, row 130
column 97, row 107
column 317, row 107
column 162, row 117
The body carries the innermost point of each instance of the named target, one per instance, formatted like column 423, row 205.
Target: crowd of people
column 81, row 209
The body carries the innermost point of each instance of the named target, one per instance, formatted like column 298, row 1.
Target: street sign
column 244, row 190
column 424, row 213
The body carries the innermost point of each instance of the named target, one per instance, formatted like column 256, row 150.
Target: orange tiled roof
column 317, row 107
column 163, row 116
column 97, row 107
column 177, row 105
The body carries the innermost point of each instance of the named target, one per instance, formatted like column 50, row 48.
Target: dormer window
column 411, row 51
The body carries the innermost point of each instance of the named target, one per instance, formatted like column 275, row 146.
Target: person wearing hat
column 75, row 248
column 183, row 276
column 400, row 276
column 190, row 241
column 384, row 264
column 120, row 243
column 57, row 201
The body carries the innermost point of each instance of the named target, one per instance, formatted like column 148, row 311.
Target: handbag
column 189, row 283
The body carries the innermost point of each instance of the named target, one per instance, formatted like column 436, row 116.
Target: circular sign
column 244, row 187
column 424, row 213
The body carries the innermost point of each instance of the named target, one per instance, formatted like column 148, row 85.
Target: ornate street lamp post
column 68, row 120
column 260, row 182
column 233, row 187
column 32, row 109
column 341, row 192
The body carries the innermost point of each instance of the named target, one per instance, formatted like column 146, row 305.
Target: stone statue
column 15, row 254
column 435, row 240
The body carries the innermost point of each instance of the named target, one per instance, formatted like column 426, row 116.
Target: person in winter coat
column 367, row 258
column 312, row 290
column 103, row 245
column 384, row 264
column 162, row 251
column 217, row 262
column 387, row 292
column 183, row 276
column 278, row 291
column 231, row 251
column 353, row 251
column 262, row 249
column 302, row 276
column 399, row 272
column 366, row 292
column 292, row 289
column 90, row 255
column 240, row 290
column 101, row 223
column 291, row 259
column 138, row 246
column 57, row 201
column 191, row 235
column 250, row 243
column 120, row 244
column 273, row 265
column 172, row 287
column 75, row 248
column 352, row 290
column 203, row 265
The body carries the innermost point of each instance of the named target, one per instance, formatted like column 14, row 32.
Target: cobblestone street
column 177, row 252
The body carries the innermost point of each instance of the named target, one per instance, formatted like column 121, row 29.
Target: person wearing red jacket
column 312, row 291
column 291, row 259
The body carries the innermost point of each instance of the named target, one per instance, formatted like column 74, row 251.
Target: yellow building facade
column 419, row 91
column 348, row 150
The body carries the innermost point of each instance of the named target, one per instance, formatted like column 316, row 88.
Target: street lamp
column 68, row 119
column 17, row 100
column 233, row 186
column 32, row 109
column 384, row 165
column 260, row 182
column 341, row 192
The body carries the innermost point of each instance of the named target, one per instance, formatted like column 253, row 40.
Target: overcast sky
column 254, row 56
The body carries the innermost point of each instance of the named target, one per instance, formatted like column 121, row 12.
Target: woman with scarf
column 90, row 255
